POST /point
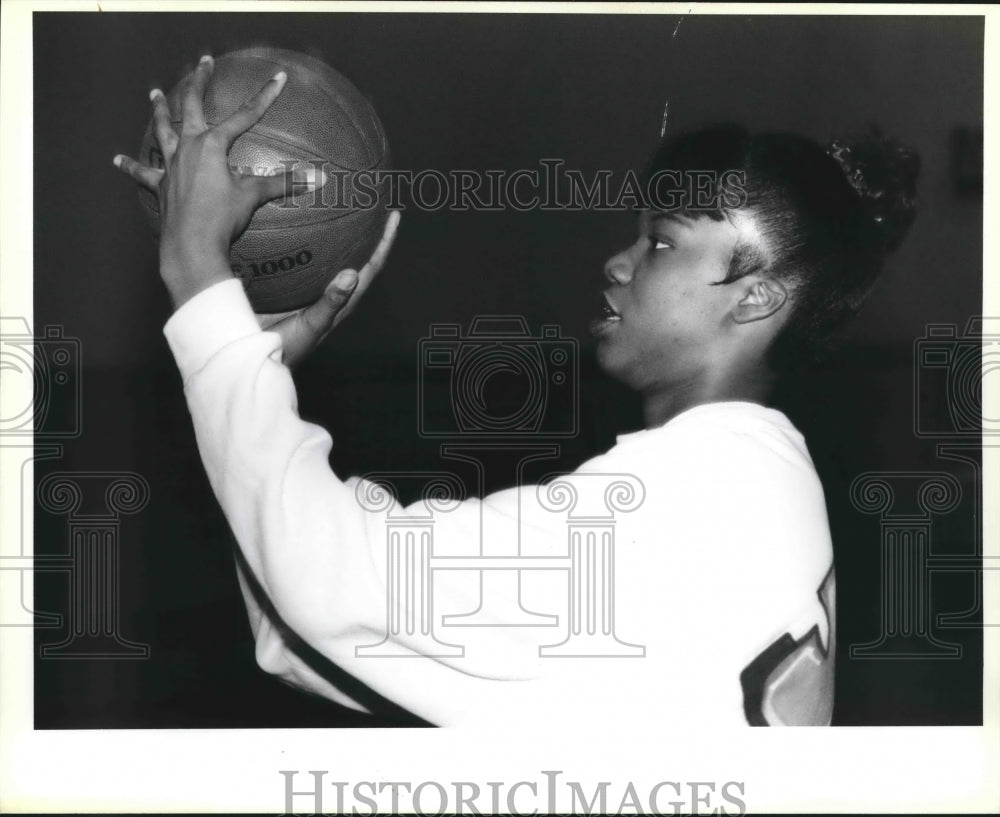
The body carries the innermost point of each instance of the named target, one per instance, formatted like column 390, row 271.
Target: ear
column 760, row 300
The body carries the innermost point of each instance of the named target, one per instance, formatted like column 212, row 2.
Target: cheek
column 683, row 323
column 668, row 309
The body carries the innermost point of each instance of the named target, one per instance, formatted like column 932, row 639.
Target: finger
column 269, row 319
column 250, row 112
column 374, row 265
column 290, row 183
column 378, row 257
column 148, row 177
column 306, row 329
column 317, row 319
column 193, row 105
column 163, row 129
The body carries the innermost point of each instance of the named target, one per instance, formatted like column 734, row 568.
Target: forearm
column 186, row 271
column 317, row 558
column 273, row 652
column 304, row 547
column 299, row 527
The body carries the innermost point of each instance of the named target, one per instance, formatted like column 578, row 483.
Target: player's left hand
column 303, row 330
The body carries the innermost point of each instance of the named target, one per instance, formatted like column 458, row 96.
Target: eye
column 657, row 243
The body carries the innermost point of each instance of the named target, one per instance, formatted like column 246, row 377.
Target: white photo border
column 875, row 769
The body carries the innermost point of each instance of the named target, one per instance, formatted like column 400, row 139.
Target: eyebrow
column 673, row 218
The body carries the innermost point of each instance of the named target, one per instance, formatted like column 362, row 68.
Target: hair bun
column 884, row 174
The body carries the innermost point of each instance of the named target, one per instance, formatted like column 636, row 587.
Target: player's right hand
column 204, row 203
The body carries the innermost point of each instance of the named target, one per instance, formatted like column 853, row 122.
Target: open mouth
column 607, row 317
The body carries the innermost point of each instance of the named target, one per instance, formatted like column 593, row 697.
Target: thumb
column 335, row 297
column 313, row 323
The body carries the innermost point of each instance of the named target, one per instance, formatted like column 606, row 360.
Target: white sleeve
column 317, row 556
column 731, row 542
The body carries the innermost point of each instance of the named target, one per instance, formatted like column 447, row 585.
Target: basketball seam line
column 298, row 225
column 264, row 134
column 334, row 99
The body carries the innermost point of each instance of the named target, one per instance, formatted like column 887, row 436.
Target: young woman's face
column 665, row 318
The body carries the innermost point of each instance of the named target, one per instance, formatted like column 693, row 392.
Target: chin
column 610, row 364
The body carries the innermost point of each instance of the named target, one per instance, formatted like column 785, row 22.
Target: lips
column 608, row 316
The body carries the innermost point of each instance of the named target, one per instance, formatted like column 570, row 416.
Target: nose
column 618, row 268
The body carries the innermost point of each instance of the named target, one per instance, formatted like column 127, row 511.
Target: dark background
column 482, row 91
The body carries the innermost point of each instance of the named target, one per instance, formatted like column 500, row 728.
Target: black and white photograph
column 429, row 408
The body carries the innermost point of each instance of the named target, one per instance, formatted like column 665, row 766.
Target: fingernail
column 280, row 77
column 155, row 94
column 346, row 279
column 312, row 178
column 203, row 60
column 118, row 160
column 315, row 178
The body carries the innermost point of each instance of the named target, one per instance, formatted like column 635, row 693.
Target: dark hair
column 828, row 218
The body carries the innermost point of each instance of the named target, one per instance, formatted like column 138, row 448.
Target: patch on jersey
column 791, row 682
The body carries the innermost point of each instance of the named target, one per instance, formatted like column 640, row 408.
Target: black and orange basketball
column 293, row 247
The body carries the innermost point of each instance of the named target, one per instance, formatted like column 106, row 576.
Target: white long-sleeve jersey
column 683, row 577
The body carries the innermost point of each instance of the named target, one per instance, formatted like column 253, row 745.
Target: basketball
column 293, row 247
